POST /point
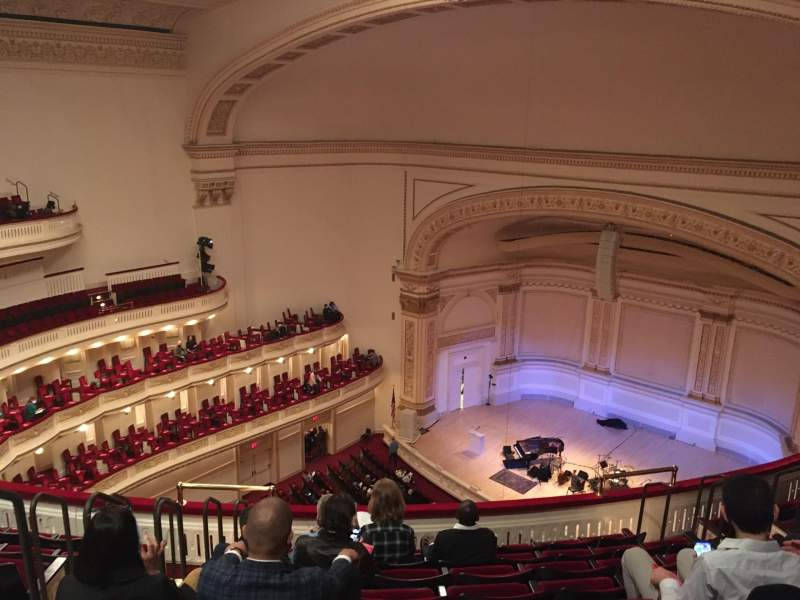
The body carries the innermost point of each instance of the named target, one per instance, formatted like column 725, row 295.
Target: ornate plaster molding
column 543, row 156
column 50, row 43
column 467, row 336
column 419, row 305
column 140, row 13
column 214, row 191
column 691, row 224
column 354, row 16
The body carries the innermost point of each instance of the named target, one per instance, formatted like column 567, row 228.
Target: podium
column 477, row 442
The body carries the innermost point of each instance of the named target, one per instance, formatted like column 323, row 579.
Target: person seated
column 372, row 359
column 335, row 518
column 31, row 407
column 740, row 563
column 256, row 569
column 191, row 343
column 112, row 565
column 393, row 540
column 466, row 543
column 180, row 352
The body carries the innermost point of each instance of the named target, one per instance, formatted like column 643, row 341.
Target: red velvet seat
column 584, row 584
column 489, row 590
column 484, row 570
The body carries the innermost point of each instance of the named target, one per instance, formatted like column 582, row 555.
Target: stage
column 447, row 443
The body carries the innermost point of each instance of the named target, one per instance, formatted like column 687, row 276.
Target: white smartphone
column 702, row 548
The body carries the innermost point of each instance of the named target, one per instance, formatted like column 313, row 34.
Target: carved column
column 601, row 329
column 712, row 349
column 508, row 300
column 419, row 304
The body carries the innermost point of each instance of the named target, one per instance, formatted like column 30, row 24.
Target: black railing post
column 43, row 496
column 236, row 512
column 221, row 536
column 34, row 591
column 175, row 511
column 88, row 508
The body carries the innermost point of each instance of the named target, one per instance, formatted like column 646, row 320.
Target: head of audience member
column 337, row 516
column 323, row 500
column 110, row 543
column 747, row 505
column 467, row 513
column 386, row 504
column 269, row 529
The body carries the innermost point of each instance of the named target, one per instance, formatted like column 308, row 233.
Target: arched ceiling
column 214, row 114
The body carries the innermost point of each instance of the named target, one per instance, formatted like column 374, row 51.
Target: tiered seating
column 33, row 317
column 91, row 464
column 14, row 208
column 590, row 566
column 156, row 290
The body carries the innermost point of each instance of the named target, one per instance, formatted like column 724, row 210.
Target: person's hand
column 349, row 553
column 239, row 546
column 151, row 554
column 659, row 574
column 792, row 546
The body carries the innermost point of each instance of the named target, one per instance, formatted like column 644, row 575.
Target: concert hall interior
column 510, row 251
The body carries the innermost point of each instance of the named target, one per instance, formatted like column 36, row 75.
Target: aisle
column 447, row 441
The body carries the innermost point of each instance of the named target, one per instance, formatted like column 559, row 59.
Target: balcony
column 17, row 356
column 38, row 234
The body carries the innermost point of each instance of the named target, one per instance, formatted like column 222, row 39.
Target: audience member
column 394, row 446
column 191, row 343
column 112, row 565
column 30, row 410
column 393, row 541
column 466, row 543
column 740, row 563
column 372, row 359
column 255, row 569
column 335, row 519
column 180, row 352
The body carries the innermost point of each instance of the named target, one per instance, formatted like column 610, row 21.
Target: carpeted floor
column 518, row 483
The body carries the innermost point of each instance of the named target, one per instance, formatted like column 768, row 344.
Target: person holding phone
column 740, row 563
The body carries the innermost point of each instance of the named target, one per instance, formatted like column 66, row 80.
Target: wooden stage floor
column 447, row 444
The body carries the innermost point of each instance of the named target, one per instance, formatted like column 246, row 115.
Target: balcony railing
column 14, row 355
column 39, row 234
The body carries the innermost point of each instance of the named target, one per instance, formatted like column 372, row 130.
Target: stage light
column 46, row 360
column 281, row 359
column 121, row 338
column 98, row 297
column 248, row 370
column 96, row 345
column 102, row 305
column 168, row 328
column 170, row 394
column 39, row 450
column 20, row 370
column 72, row 352
column 310, row 350
column 83, row 428
column 212, row 316
column 210, row 382
column 192, row 322
column 145, row 332
column 127, row 410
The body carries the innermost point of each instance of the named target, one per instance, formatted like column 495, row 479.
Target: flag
column 394, row 405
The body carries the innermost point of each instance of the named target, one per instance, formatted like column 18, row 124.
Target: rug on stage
column 519, row 484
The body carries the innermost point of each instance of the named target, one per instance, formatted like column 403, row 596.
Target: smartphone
column 702, row 548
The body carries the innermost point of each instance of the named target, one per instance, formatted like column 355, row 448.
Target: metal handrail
column 25, row 542
column 175, row 510
column 641, row 504
column 88, row 507
column 696, row 516
column 230, row 487
column 625, row 474
column 221, row 536
column 35, row 532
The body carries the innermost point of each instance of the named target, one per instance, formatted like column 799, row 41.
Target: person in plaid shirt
column 393, row 541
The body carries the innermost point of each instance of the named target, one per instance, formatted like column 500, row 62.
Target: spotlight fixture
column 171, row 394
column 39, row 450
column 83, row 428
column 210, row 382
column 248, row 370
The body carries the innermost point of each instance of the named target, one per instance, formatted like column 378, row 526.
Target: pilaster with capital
column 508, row 301
column 712, row 348
column 419, row 305
column 602, row 326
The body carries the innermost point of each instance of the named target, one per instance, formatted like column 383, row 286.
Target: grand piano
column 523, row 452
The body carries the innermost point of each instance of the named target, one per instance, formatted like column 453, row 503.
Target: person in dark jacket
column 466, row 543
column 113, row 566
column 335, row 519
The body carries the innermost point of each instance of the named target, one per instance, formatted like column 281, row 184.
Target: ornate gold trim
column 55, row 43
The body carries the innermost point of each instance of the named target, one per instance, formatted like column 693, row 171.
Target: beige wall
column 654, row 345
column 552, row 325
column 764, row 374
column 111, row 143
column 598, row 76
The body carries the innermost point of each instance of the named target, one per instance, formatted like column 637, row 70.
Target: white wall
column 111, row 143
